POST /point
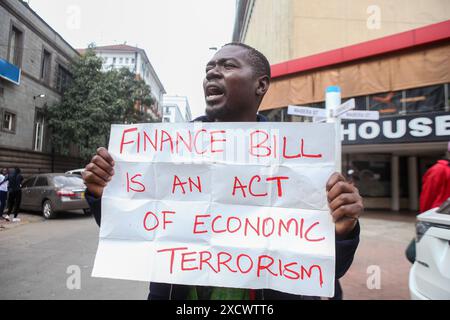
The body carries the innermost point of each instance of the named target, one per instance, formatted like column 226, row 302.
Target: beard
column 215, row 113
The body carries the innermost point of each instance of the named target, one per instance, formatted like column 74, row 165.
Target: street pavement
column 36, row 255
column 384, row 239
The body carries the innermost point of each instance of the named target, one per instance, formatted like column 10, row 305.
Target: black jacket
column 345, row 251
column 15, row 181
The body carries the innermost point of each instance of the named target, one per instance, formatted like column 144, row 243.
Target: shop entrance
column 389, row 181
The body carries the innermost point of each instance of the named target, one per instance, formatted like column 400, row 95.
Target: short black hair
column 257, row 60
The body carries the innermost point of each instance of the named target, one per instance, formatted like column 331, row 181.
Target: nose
column 213, row 73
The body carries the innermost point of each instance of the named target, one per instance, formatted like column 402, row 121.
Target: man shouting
column 237, row 78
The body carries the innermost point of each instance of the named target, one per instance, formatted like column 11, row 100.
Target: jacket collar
column 259, row 118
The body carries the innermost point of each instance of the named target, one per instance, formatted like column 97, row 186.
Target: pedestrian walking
column 435, row 191
column 3, row 190
column 14, row 194
column 436, row 184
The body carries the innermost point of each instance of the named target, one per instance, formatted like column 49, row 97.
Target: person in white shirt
column 3, row 191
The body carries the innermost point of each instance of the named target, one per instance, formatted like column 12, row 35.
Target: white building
column 176, row 109
column 136, row 60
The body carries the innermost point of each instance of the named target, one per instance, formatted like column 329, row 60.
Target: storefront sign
column 398, row 129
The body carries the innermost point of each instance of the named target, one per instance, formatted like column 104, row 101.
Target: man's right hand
column 99, row 172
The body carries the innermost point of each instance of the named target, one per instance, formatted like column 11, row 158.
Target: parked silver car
column 54, row 192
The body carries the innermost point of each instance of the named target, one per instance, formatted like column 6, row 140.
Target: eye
column 229, row 65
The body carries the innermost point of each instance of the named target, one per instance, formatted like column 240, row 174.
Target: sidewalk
column 384, row 238
column 25, row 218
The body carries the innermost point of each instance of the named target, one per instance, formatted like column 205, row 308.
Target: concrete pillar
column 413, row 184
column 395, row 184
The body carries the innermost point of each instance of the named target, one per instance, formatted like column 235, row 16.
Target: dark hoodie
column 15, row 181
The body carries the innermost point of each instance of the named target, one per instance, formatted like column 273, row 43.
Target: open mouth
column 214, row 93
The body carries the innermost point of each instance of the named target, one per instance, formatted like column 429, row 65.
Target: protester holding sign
column 436, row 184
column 237, row 78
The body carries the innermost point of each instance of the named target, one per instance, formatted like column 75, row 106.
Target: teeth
column 214, row 96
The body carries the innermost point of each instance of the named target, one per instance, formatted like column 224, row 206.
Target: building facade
column 137, row 61
column 289, row 29
column 176, row 109
column 34, row 64
column 404, row 76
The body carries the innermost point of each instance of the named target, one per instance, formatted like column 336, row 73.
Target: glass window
column 404, row 180
column 15, row 46
column 127, row 60
column 45, row 66
column 371, row 174
column 65, row 181
column 63, row 79
column 272, row 115
column 28, row 183
column 447, row 96
column 39, row 131
column 41, row 182
column 425, row 99
column 320, row 105
column 360, row 103
column 120, row 60
column 114, row 60
column 388, row 103
column 9, row 121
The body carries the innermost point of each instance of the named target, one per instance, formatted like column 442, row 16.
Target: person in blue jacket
column 237, row 78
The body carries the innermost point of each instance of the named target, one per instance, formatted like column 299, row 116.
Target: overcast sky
column 176, row 34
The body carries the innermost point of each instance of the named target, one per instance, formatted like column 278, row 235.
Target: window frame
column 38, row 112
column 41, row 178
column 3, row 111
column 31, row 179
column 44, row 75
column 18, row 55
column 61, row 82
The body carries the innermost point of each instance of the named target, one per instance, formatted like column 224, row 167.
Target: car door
column 38, row 192
column 27, row 186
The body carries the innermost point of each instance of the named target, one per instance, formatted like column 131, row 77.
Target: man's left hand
column 345, row 203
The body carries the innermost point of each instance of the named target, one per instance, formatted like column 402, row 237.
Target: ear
column 263, row 84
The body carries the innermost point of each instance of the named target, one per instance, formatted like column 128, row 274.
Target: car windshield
column 64, row 181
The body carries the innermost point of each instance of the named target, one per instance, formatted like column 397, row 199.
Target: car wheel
column 87, row 212
column 47, row 210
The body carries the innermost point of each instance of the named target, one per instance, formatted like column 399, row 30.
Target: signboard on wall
column 398, row 129
column 9, row 72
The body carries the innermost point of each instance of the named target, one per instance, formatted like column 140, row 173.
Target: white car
column 429, row 278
